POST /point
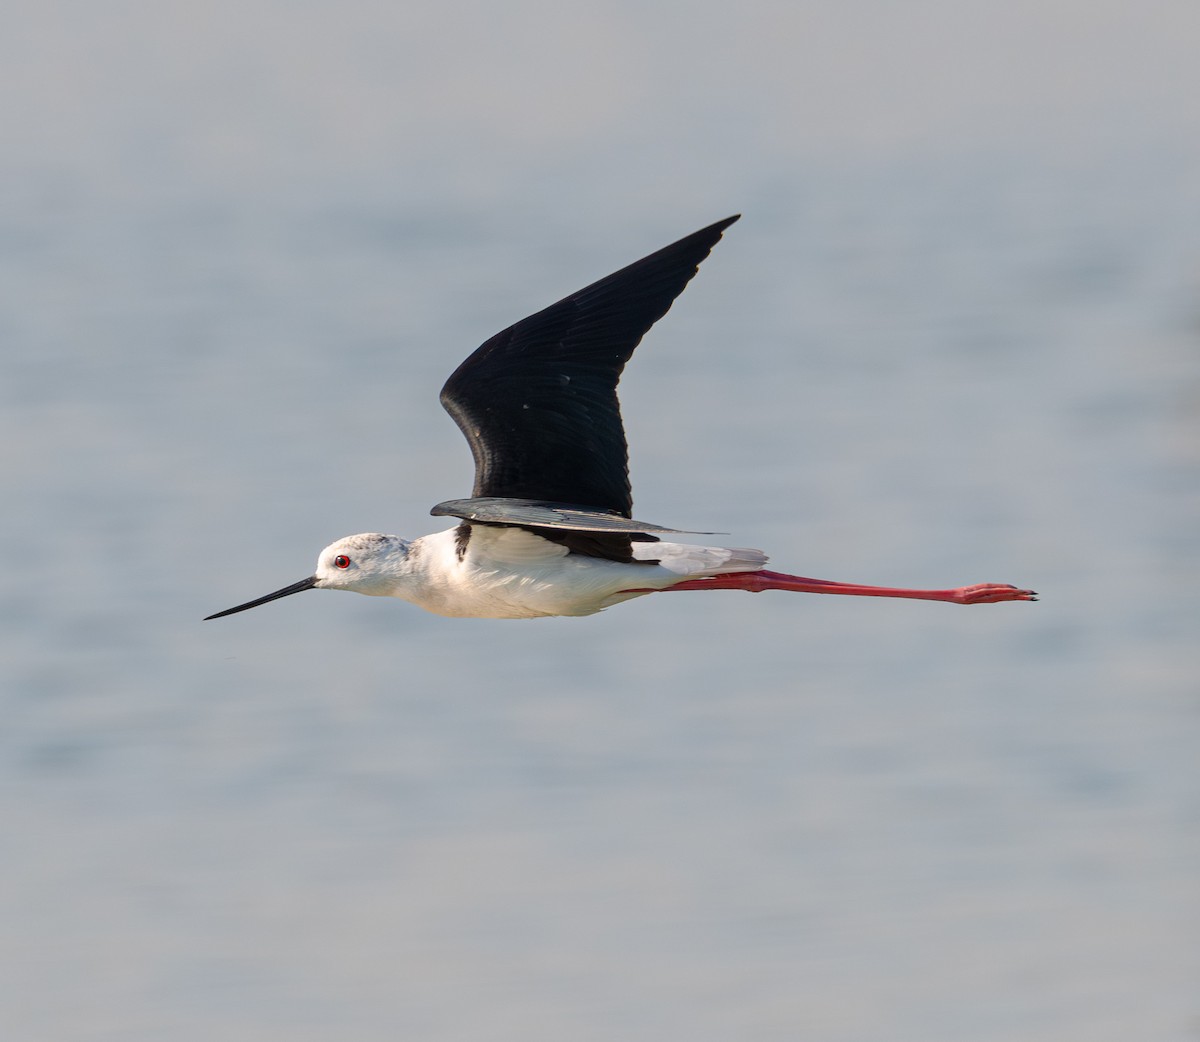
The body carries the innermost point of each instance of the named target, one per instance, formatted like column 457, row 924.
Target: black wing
column 538, row 402
column 535, row 514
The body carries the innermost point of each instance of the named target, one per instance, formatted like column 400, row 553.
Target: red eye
column 341, row 561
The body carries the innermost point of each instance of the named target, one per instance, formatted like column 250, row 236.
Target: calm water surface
column 702, row 817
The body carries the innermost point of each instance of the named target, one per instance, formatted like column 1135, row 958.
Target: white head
column 368, row 563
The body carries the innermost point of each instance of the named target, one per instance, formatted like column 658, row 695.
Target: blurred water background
column 955, row 338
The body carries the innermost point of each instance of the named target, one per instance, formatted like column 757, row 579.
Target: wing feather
column 538, row 401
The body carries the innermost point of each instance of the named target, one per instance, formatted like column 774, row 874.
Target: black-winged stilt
column 549, row 528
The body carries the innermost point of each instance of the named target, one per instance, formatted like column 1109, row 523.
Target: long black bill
column 287, row 591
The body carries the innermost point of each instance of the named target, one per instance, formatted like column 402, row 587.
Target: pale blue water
column 232, row 280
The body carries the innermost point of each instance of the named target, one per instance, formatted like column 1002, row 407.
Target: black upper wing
column 538, row 401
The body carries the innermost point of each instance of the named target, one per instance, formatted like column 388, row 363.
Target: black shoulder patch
column 462, row 536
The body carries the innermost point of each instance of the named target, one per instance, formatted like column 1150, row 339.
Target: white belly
column 508, row 573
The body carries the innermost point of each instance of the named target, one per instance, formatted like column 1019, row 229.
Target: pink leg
column 756, row 582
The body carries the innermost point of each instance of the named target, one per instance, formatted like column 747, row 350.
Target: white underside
column 509, row 573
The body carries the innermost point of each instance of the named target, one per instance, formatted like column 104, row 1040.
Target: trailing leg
column 757, row 582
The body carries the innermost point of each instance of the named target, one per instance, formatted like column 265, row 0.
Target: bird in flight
column 549, row 527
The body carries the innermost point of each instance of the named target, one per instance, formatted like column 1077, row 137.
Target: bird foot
column 990, row 593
